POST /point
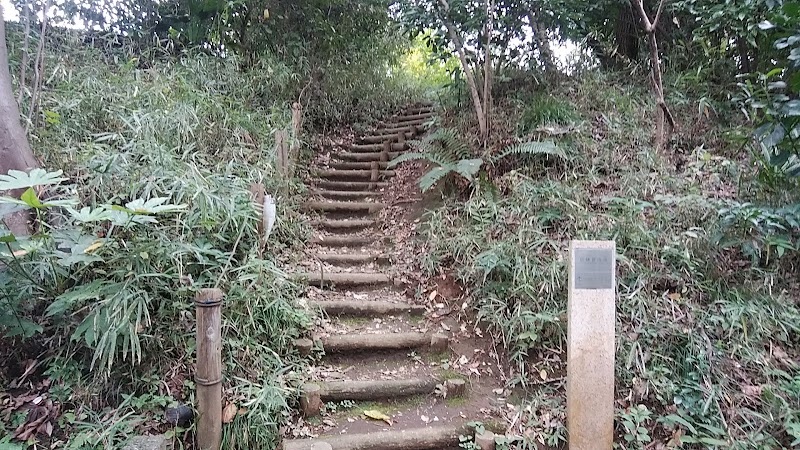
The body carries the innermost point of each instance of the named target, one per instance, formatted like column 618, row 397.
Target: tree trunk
column 541, row 40
column 473, row 87
column 625, row 35
column 487, row 73
column 665, row 123
column 15, row 153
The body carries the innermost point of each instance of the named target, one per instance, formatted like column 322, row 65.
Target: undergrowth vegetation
column 708, row 318
column 151, row 201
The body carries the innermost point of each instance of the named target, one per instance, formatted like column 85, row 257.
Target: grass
column 698, row 323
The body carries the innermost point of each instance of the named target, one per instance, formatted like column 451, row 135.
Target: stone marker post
column 590, row 344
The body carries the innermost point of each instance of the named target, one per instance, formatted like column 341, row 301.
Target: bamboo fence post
column 208, row 373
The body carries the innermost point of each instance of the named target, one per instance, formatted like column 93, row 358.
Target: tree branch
column 648, row 26
column 658, row 14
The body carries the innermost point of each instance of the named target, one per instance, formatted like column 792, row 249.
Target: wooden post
column 282, row 152
column 208, row 373
column 590, row 345
column 387, row 148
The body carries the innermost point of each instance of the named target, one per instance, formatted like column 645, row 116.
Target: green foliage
column 765, row 235
column 771, row 100
column 546, row 110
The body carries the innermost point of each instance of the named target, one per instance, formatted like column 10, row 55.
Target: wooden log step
column 349, row 279
column 356, row 165
column 429, row 438
column 353, row 173
column 347, row 225
column 343, row 206
column 343, row 343
column 358, row 308
column 409, row 123
column 418, row 110
column 342, row 241
column 412, row 117
column 350, row 195
column 350, row 185
column 388, row 129
column 394, row 129
column 366, row 148
column 376, row 156
column 354, row 258
column 336, row 391
column 381, row 138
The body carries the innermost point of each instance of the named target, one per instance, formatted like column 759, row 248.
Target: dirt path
column 393, row 370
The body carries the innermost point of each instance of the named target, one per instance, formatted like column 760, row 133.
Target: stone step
column 343, row 225
column 374, row 156
column 357, row 165
column 348, row 279
column 354, row 343
column 356, row 308
column 354, row 259
column 333, row 206
column 350, row 174
column 428, row 438
column 343, row 241
column 350, row 185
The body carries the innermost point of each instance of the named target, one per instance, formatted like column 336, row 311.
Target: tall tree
column 15, row 152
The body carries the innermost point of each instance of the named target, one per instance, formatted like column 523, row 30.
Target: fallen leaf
column 432, row 295
column 93, row 247
column 543, row 374
column 377, row 415
column 229, row 413
column 752, row 391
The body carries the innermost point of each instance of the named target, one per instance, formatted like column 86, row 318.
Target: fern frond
column 430, row 157
column 452, row 144
column 434, row 176
column 427, row 145
column 446, row 142
column 467, row 168
column 532, row 148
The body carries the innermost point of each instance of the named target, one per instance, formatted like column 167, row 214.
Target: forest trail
column 394, row 374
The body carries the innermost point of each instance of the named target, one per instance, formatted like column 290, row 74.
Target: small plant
column 763, row 234
column 633, row 421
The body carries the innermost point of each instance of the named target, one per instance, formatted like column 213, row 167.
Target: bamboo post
column 208, row 373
